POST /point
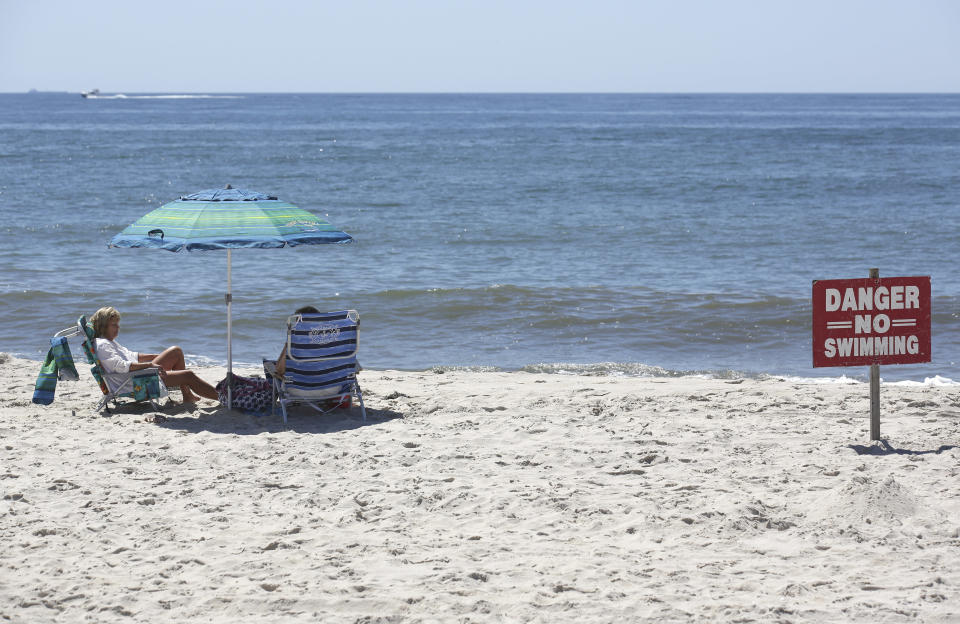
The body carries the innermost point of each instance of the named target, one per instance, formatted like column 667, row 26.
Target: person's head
column 307, row 310
column 106, row 323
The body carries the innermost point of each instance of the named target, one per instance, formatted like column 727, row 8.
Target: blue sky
column 203, row 46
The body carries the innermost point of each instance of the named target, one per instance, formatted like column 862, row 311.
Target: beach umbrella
column 228, row 218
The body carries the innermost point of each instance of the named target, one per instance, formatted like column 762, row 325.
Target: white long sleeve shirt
column 115, row 360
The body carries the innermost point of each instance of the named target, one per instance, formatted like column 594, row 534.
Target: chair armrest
column 69, row 332
column 145, row 371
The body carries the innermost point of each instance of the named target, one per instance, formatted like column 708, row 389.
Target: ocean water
column 636, row 234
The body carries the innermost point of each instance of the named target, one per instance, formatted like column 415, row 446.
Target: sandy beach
column 486, row 497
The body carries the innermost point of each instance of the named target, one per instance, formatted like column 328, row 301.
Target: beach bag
column 249, row 394
column 146, row 386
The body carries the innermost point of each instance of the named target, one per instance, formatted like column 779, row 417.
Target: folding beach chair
column 141, row 385
column 321, row 363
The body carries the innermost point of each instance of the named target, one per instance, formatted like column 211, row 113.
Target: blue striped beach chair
column 321, row 363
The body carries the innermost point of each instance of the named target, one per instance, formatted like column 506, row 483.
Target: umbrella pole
column 229, row 299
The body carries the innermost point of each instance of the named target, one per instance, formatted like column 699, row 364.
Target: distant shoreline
column 519, row 93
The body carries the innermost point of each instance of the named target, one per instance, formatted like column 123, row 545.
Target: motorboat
column 90, row 93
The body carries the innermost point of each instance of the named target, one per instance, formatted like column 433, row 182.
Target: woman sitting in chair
column 344, row 401
column 115, row 358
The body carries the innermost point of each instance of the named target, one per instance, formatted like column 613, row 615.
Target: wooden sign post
column 871, row 321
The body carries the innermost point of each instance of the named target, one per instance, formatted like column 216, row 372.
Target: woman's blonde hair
column 101, row 318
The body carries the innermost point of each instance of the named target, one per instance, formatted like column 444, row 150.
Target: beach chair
column 141, row 385
column 321, row 363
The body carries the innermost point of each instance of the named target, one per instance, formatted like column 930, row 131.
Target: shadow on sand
column 219, row 419
column 883, row 447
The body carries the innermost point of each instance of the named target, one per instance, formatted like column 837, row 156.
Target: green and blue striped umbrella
column 228, row 219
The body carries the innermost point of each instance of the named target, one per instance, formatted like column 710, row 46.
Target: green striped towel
column 57, row 366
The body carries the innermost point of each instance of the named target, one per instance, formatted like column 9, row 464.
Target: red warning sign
column 859, row 322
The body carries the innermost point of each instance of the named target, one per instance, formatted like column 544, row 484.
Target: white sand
column 486, row 497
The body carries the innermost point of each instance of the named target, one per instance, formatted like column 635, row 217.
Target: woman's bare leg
column 171, row 359
column 188, row 382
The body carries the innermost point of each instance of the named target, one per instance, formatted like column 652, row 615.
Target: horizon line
column 185, row 92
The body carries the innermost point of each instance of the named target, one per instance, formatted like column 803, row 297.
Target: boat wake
column 96, row 95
